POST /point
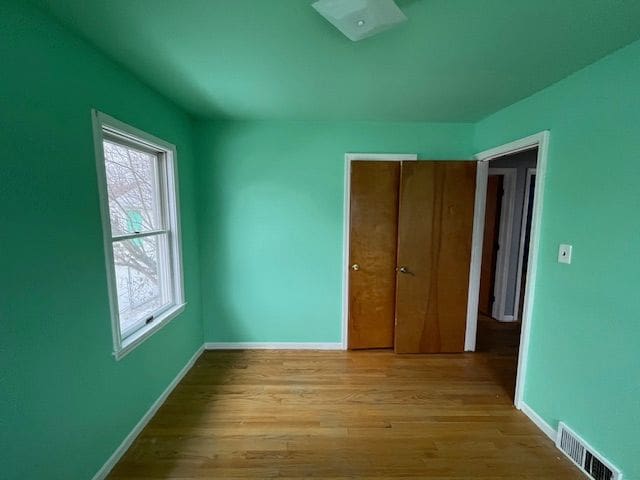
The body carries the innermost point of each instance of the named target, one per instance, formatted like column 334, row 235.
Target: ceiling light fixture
column 359, row 19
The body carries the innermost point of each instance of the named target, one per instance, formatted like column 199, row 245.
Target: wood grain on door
column 434, row 252
column 373, row 232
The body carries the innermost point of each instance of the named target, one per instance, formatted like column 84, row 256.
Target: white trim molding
column 526, row 143
column 539, row 422
column 273, row 346
column 348, row 158
column 129, row 439
column 477, row 235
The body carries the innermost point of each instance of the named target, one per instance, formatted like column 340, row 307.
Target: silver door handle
column 355, row 267
column 403, row 270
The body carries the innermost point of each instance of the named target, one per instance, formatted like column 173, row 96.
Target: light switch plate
column 564, row 253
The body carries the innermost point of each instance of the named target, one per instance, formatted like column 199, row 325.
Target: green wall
column 271, row 216
column 65, row 403
column 584, row 361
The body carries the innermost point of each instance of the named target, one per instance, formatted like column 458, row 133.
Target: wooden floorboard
column 347, row 415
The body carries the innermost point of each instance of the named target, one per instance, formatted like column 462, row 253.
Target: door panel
column 434, row 248
column 490, row 244
column 373, row 231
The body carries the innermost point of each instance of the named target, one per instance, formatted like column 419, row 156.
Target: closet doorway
column 409, row 234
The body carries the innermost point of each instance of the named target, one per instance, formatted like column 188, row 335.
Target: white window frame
column 109, row 127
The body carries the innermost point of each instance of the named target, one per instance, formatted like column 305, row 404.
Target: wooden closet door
column 434, row 253
column 373, row 231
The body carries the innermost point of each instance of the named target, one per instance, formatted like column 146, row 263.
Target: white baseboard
column 273, row 346
column 505, row 318
column 126, row 443
column 548, row 430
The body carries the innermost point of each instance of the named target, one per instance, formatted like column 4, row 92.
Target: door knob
column 403, row 270
column 355, row 267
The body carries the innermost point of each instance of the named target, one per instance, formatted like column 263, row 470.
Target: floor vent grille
column 585, row 457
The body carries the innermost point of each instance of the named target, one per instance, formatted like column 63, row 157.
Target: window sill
column 135, row 339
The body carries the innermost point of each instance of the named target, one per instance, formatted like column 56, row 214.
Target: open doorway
column 540, row 142
column 505, row 252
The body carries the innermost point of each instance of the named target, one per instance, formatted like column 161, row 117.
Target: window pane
column 142, row 279
column 132, row 185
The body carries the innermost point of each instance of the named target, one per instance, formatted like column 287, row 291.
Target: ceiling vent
column 359, row 19
column 585, row 457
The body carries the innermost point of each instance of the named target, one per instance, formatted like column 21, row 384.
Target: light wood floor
column 346, row 415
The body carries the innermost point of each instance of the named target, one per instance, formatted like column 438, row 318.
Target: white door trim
column 477, row 238
column 505, row 234
column 348, row 158
column 523, row 231
column 541, row 141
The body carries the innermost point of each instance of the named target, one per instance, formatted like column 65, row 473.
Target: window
column 138, row 198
